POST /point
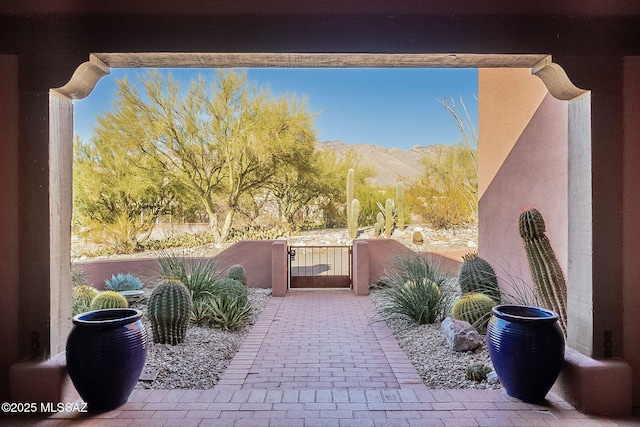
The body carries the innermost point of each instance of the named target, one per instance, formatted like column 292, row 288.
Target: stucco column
column 279, row 264
column 360, row 267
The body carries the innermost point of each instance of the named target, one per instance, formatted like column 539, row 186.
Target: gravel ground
column 199, row 362
column 439, row 366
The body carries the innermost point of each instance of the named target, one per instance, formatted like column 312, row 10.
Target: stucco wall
column 631, row 215
column 522, row 160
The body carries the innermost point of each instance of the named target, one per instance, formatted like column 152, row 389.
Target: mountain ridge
column 391, row 164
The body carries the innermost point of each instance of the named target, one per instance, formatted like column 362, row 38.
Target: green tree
column 118, row 193
column 221, row 140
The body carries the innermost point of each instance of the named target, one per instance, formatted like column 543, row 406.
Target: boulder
column 460, row 335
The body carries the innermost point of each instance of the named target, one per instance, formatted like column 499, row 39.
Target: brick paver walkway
column 318, row 358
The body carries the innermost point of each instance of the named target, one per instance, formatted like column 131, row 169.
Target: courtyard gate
column 320, row 266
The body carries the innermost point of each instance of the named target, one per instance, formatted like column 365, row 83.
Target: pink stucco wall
column 522, row 163
column 254, row 256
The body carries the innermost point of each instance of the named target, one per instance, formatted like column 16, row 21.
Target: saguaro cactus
column 545, row 270
column 169, row 309
column 353, row 218
column 388, row 217
column 400, row 204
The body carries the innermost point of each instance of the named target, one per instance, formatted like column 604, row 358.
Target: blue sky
column 391, row 107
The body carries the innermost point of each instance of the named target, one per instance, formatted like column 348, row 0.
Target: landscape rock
column 460, row 335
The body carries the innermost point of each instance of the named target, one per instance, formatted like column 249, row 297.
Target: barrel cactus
column 82, row 296
column 237, row 272
column 477, row 275
column 545, row 269
column 475, row 308
column 168, row 310
column 108, row 299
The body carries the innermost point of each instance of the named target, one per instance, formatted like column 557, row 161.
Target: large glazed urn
column 526, row 346
column 106, row 352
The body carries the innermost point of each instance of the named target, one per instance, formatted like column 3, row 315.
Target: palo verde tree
column 222, row 139
column 118, row 193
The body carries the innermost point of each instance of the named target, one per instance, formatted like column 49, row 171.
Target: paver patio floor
column 319, row 358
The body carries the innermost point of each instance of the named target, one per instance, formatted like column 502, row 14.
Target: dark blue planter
column 106, row 352
column 526, row 347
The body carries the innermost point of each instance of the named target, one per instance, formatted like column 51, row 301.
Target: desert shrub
column 190, row 240
column 418, row 290
column 123, row 282
column 198, row 273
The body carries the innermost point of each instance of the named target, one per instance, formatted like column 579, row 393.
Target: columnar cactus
column 108, row 299
column 477, row 275
column 379, row 227
column 237, row 272
column 545, row 269
column 353, row 218
column 168, row 310
column 400, row 204
column 388, row 217
column 351, row 185
column 475, row 308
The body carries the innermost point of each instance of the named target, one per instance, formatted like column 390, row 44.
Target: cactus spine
column 168, row 310
column 108, row 299
column 353, row 218
column 388, row 217
column 237, row 272
column 351, row 185
column 545, row 270
column 475, row 308
column 477, row 275
column 400, row 204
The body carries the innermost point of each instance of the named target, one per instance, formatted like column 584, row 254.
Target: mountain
column 390, row 163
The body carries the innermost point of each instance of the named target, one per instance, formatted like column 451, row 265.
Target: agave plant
column 123, row 282
column 227, row 312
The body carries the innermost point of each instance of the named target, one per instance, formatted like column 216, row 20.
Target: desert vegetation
column 225, row 152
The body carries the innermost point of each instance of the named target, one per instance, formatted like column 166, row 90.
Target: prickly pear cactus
column 477, row 275
column 545, row 269
column 475, row 308
column 168, row 310
column 108, row 299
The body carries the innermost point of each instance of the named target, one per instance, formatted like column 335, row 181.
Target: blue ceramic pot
column 526, row 347
column 106, row 352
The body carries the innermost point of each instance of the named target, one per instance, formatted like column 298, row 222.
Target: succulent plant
column 123, row 282
column 477, row 372
column 477, row 275
column 230, row 287
column 237, row 272
column 475, row 308
column 168, row 310
column 388, row 217
column 545, row 269
column 82, row 296
column 108, row 299
column 354, row 213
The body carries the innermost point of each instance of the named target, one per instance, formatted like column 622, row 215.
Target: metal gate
column 320, row 266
